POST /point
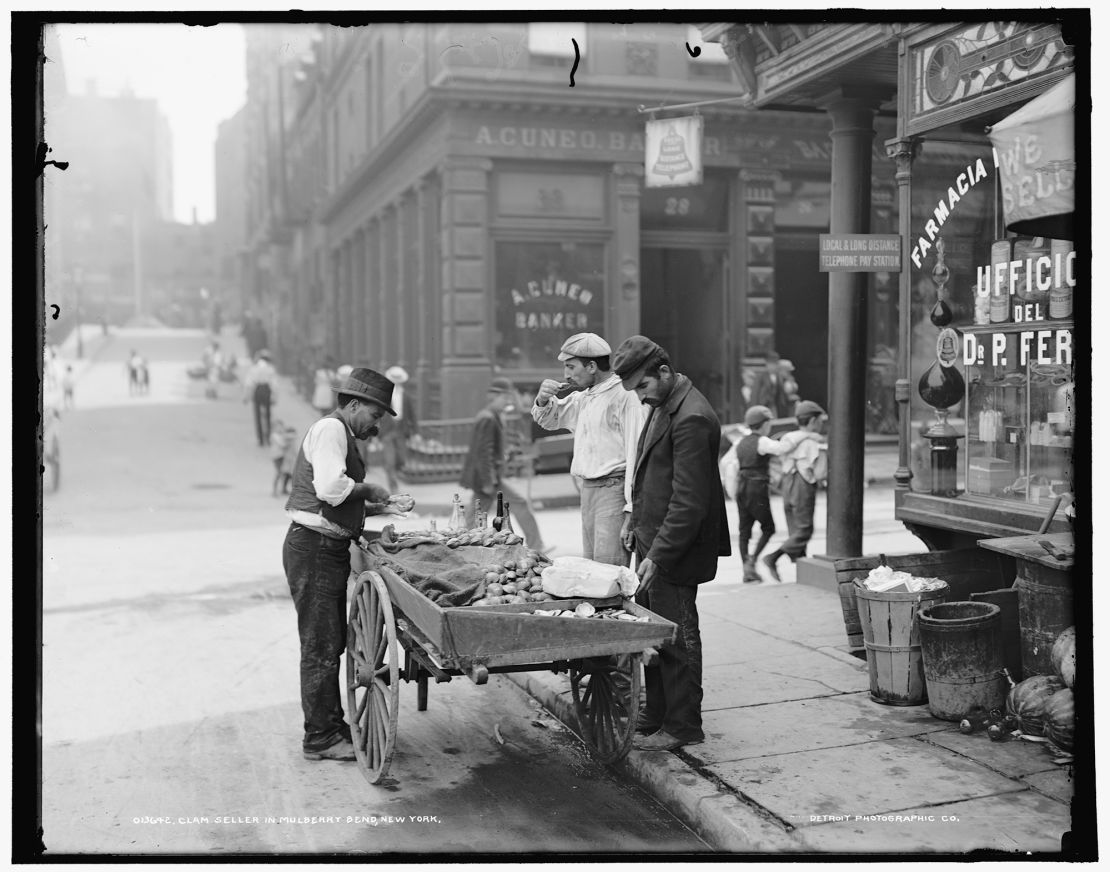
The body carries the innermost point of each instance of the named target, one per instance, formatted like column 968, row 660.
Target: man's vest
column 752, row 463
column 351, row 513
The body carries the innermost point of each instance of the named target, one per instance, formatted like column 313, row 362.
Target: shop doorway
column 683, row 308
column 802, row 313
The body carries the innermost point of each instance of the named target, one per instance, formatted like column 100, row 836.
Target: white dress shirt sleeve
column 557, row 414
column 325, row 447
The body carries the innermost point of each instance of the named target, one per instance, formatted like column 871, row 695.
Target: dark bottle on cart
column 499, row 518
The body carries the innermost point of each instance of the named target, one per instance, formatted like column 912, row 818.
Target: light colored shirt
column 777, row 447
column 325, row 447
column 801, row 455
column 606, row 421
column 261, row 373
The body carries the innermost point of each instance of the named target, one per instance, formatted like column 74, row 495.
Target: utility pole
column 77, row 278
column 137, row 264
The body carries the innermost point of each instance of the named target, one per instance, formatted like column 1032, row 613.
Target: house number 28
column 677, row 206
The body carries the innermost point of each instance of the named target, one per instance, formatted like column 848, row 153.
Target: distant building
column 118, row 186
column 231, row 208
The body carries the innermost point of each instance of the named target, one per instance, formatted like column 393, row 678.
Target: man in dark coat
column 769, row 388
column 677, row 530
column 484, row 465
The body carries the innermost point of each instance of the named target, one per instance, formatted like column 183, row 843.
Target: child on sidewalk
column 802, row 470
column 753, row 498
column 283, row 454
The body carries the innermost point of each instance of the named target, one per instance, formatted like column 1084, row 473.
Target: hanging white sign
column 672, row 152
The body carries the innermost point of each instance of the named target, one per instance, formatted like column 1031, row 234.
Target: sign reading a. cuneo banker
column 860, row 252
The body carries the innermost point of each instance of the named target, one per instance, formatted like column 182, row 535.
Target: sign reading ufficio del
column 860, row 252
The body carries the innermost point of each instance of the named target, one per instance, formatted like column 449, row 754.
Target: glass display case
column 1020, row 411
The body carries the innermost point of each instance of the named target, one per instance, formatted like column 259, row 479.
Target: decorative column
column 375, row 322
column 754, row 319
column 903, row 152
column 400, row 212
column 423, row 278
column 852, row 134
column 622, row 304
column 332, row 296
column 464, row 234
column 358, row 316
column 390, row 288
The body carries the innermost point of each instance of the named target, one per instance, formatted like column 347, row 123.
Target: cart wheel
column 606, row 692
column 373, row 680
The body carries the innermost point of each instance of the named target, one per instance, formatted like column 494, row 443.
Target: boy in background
column 803, row 467
column 753, row 497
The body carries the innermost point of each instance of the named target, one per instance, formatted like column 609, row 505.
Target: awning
column 1035, row 150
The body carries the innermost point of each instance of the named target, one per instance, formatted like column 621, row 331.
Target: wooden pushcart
column 389, row 616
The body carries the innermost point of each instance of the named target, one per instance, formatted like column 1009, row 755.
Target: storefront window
column 546, row 291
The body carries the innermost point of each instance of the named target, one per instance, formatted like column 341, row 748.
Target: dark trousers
column 262, row 399
column 753, row 501
column 798, row 500
column 317, row 567
column 673, row 684
column 524, row 522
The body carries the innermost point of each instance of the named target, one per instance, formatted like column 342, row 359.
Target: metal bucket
column 961, row 643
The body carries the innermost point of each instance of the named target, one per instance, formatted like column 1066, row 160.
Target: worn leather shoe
column 662, row 741
column 769, row 562
column 343, row 750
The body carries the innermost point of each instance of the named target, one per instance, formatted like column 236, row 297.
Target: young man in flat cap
column 484, row 465
column 327, row 508
column 606, row 421
column 802, row 471
column 678, row 530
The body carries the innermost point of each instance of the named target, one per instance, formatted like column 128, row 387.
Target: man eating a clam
column 606, row 421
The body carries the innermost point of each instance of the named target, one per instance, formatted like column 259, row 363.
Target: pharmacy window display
column 996, row 369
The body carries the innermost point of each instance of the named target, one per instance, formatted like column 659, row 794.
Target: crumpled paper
column 886, row 580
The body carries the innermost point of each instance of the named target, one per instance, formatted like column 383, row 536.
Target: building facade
column 447, row 202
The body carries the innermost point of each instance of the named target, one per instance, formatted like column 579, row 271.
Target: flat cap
column 584, row 345
column 807, row 408
column 632, row 357
column 757, row 416
column 501, row 385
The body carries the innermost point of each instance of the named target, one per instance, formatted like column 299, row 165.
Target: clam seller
column 327, row 507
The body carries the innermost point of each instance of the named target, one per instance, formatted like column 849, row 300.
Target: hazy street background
column 171, row 715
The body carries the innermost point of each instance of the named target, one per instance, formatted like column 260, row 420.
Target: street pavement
column 798, row 759
column 170, row 713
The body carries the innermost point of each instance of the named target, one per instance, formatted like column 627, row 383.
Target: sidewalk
column 798, row 759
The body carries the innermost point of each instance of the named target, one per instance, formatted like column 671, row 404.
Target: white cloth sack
column 577, row 576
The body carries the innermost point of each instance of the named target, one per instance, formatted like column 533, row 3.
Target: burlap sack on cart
column 447, row 576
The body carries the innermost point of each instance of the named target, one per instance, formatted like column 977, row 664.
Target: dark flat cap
column 632, row 357
column 501, row 385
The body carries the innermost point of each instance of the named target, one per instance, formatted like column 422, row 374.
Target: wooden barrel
column 962, row 649
column 1045, row 610
column 893, row 645
column 1010, row 631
